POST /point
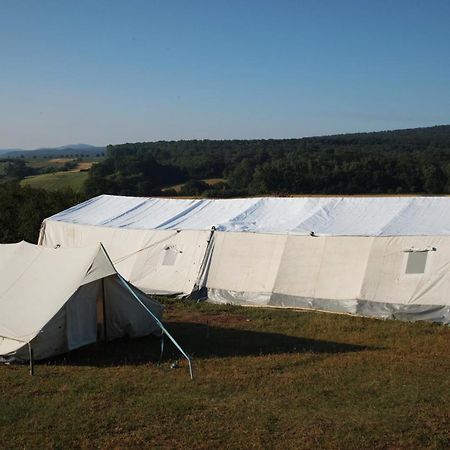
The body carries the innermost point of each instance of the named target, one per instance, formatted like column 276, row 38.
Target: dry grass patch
column 263, row 379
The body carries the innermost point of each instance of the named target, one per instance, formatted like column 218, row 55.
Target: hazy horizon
column 218, row 139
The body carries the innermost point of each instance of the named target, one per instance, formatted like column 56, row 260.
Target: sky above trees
column 112, row 71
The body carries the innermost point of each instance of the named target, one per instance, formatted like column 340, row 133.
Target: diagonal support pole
column 163, row 328
column 149, row 311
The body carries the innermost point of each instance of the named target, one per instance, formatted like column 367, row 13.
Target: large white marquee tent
column 375, row 256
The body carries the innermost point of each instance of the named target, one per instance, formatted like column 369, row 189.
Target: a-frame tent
column 55, row 300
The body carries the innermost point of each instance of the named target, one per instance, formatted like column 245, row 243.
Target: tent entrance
column 101, row 312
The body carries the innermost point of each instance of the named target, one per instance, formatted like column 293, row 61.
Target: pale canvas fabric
column 332, row 253
column 48, row 298
column 353, row 216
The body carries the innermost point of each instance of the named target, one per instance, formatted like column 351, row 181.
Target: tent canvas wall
column 56, row 300
column 330, row 253
column 370, row 276
column 155, row 261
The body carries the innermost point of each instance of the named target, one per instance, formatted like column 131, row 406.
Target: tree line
column 23, row 209
column 408, row 161
column 404, row 161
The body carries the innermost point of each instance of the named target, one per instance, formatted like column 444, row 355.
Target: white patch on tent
column 170, row 256
column 416, row 262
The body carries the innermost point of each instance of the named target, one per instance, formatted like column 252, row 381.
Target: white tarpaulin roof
column 351, row 216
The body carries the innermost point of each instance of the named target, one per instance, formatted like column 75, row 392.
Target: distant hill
column 5, row 151
column 71, row 149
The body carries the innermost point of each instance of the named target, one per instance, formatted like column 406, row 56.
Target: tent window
column 170, row 256
column 416, row 262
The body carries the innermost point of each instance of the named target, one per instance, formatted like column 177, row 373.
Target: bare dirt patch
column 85, row 165
column 60, row 160
column 211, row 318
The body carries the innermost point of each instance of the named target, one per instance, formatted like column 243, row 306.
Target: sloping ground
column 57, row 180
column 264, row 378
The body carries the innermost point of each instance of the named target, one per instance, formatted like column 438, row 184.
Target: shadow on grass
column 201, row 342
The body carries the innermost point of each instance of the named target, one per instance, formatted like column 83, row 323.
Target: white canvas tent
column 56, row 300
column 376, row 256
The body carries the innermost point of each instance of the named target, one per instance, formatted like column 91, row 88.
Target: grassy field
column 209, row 181
column 57, row 180
column 263, row 379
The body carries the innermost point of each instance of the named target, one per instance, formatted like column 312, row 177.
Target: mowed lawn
column 264, row 378
column 57, row 180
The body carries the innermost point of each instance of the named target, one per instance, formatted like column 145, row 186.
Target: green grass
column 263, row 379
column 57, row 180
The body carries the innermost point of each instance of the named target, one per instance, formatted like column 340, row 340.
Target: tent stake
column 30, row 352
column 162, row 348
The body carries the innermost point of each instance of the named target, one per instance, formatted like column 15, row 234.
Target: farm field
column 209, row 181
column 57, row 180
column 264, row 378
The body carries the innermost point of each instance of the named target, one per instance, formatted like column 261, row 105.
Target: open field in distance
column 62, row 179
column 208, row 181
column 57, row 180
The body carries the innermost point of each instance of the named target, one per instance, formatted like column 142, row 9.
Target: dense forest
column 407, row 161
column 23, row 209
column 403, row 161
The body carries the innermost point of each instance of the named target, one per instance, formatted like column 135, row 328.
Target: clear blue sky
column 110, row 71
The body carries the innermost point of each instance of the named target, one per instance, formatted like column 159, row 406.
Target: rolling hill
column 71, row 149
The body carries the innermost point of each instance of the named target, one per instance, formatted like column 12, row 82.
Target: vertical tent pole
column 105, row 334
column 30, row 352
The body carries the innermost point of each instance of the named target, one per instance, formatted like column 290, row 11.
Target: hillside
column 388, row 162
column 57, row 181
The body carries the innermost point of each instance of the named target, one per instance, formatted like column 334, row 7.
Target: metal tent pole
column 163, row 328
column 30, row 352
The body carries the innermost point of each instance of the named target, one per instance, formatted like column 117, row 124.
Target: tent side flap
column 164, row 262
column 30, row 291
column 388, row 278
column 124, row 315
column 244, row 265
column 357, row 275
column 50, row 341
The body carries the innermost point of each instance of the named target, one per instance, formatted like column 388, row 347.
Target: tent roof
column 352, row 216
column 35, row 282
